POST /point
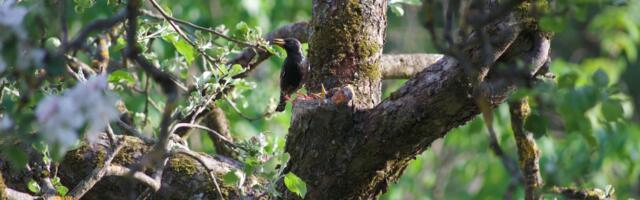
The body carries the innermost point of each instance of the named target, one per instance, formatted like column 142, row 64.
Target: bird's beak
column 278, row 41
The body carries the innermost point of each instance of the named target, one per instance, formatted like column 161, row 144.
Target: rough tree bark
column 355, row 151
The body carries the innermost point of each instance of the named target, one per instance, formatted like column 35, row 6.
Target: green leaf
column 295, row 184
column 234, row 177
column 552, row 23
column 17, row 156
column 33, row 186
column 612, row 110
column 120, row 76
column 600, row 78
column 242, row 31
column 55, row 180
column 230, row 178
column 121, row 43
column 396, row 8
column 182, row 46
column 242, row 27
column 537, row 124
column 568, row 80
column 235, row 70
column 186, row 50
column 62, row 190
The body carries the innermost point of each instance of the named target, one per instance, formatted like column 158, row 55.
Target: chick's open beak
column 278, row 41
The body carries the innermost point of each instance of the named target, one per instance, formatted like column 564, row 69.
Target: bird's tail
column 282, row 103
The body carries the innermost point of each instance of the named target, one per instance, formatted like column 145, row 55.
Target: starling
column 292, row 74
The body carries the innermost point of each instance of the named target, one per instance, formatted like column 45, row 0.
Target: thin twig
column 134, row 131
column 237, row 110
column 170, row 18
column 79, row 64
column 221, row 137
column 146, row 101
column 181, row 33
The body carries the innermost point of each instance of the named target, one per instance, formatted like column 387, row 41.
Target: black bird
column 292, row 74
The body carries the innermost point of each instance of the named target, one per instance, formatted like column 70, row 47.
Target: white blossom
column 87, row 103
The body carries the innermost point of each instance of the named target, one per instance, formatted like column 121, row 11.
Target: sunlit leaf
column 33, row 186
column 295, row 184
column 62, row 190
column 121, row 76
column 397, row 9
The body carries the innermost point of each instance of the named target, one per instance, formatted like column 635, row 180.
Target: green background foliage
column 585, row 120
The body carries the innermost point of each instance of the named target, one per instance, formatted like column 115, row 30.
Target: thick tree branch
column 187, row 174
column 17, row 195
column 94, row 26
column 116, row 170
column 404, row 66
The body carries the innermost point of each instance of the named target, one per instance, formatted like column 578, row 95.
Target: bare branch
column 214, row 133
column 507, row 162
column 17, row 195
column 404, row 66
column 180, row 32
column 116, row 170
column 195, row 26
column 528, row 152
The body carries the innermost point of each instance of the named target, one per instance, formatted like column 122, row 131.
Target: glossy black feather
column 292, row 73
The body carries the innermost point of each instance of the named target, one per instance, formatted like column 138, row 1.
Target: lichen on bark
column 346, row 46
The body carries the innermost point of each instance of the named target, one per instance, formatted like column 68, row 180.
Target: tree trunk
column 346, row 45
column 355, row 150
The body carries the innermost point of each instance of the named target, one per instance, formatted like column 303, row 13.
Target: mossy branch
column 528, row 152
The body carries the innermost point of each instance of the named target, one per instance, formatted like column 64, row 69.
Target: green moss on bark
column 183, row 165
column 339, row 48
